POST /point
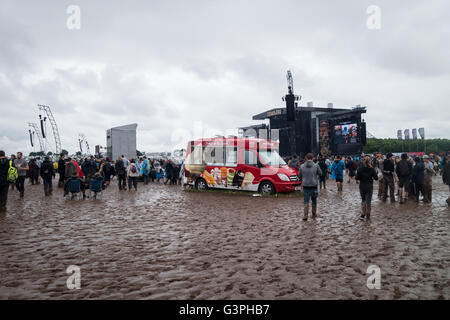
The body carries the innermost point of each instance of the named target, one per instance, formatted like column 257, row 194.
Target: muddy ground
column 165, row 243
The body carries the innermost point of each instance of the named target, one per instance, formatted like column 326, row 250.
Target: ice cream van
column 233, row 163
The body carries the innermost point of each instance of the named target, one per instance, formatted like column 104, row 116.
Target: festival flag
column 422, row 132
column 406, row 133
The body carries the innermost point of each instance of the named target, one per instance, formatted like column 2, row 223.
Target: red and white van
column 248, row 164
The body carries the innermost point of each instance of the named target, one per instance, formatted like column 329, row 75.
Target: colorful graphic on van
column 228, row 178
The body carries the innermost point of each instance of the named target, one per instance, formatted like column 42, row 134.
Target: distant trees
column 397, row 146
column 139, row 154
column 37, row 154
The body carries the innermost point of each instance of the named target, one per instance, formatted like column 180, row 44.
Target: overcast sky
column 172, row 66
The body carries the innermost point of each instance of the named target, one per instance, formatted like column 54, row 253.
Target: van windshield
column 271, row 158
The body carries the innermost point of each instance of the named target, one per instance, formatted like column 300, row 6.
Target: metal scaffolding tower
column 50, row 117
column 81, row 139
column 35, row 129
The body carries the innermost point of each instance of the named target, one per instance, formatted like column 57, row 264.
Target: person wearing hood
column 33, row 173
column 366, row 174
column 70, row 171
column 169, row 171
column 146, row 170
column 4, row 183
column 418, row 178
column 309, row 173
column 337, row 172
column 324, row 168
column 12, row 184
column 47, row 174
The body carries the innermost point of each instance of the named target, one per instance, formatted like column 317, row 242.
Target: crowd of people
column 413, row 177
column 16, row 169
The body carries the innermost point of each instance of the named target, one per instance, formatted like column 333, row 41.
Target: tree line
column 396, row 146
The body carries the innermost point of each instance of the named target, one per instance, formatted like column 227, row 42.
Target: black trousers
column 122, row 181
column 3, row 195
column 366, row 191
column 61, row 181
column 20, row 184
column 132, row 181
column 419, row 189
column 388, row 185
column 47, row 184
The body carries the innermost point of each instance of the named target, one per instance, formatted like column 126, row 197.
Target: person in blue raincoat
column 145, row 165
column 337, row 171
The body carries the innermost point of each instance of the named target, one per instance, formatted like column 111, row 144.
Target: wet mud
column 165, row 243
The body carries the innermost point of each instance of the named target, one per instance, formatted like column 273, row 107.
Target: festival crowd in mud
column 76, row 176
column 412, row 175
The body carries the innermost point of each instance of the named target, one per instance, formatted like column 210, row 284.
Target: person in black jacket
column 404, row 172
column 121, row 174
column 418, row 178
column 169, row 171
column 47, row 174
column 62, row 170
column 33, row 173
column 323, row 178
column 366, row 174
column 388, row 178
column 446, row 174
column 4, row 183
column 107, row 170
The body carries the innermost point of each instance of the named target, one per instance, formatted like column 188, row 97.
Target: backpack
column 45, row 169
column 85, row 166
column 107, row 168
column 133, row 169
column 12, row 173
column 403, row 168
column 355, row 164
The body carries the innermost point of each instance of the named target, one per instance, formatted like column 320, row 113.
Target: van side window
column 214, row 156
column 251, row 158
column 231, row 156
column 196, row 155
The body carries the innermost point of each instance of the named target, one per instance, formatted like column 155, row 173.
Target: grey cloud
column 167, row 64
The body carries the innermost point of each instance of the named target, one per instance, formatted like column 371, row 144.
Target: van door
column 214, row 160
column 230, row 168
column 249, row 171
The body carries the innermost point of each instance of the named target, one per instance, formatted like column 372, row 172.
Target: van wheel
column 266, row 187
column 201, row 184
